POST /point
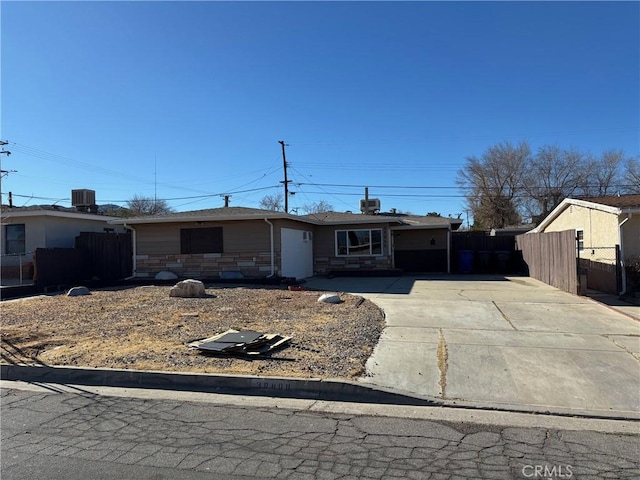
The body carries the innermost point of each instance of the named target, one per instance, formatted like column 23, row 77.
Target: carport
column 420, row 248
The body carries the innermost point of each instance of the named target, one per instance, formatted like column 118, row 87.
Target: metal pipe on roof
column 273, row 267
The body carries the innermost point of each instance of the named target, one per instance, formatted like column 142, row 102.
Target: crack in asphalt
column 286, row 444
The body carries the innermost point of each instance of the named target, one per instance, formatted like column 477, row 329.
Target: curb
column 614, row 309
column 312, row 388
column 336, row 390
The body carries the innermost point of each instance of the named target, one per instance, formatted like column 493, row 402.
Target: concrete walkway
column 493, row 341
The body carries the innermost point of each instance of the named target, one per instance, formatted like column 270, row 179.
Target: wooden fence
column 97, row 257
column 486, row 254
column 110, row 254
column 551, row 258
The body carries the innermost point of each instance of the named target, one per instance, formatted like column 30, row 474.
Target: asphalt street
column 57, row 432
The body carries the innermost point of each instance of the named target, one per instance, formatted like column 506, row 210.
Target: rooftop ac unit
column 370, row 206
column 83, row 198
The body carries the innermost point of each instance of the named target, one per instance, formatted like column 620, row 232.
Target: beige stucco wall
column 600, row 228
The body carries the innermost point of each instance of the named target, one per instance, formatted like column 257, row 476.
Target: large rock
column 188, row 289
column 77, row 291
column 329, row 298
column 166, row 275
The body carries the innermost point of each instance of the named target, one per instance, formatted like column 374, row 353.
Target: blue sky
column 188, row 100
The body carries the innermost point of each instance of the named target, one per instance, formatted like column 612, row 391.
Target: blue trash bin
column 465, row 261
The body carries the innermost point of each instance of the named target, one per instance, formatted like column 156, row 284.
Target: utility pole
column 2, row 172
column 286, row 182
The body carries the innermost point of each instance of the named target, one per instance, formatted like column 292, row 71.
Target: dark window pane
column 376, row 242
column 201, row 240
column 341, row 239
column 15, row 239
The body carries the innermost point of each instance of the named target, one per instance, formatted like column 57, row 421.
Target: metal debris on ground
column 245, row 342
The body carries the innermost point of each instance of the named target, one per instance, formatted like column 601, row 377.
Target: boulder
column 329, row 298
column 166, row 275
column 77, row 291
column 188, row 289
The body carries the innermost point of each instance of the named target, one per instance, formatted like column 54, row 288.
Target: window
column 15, row 242
column 580, row 239
column 201, row 240
column 359, row 242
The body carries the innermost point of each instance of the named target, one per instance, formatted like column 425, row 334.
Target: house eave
column 17, row 214
column 205, row 218
column 422, row 227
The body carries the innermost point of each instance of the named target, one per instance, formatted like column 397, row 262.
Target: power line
column 430, row 138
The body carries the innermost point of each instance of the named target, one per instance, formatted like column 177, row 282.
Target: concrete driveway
column 492, row 341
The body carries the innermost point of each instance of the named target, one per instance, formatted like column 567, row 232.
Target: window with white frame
column 580, row 239
column 359, row 242
column 14, row 239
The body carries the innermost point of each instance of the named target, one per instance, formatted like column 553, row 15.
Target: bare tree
column 603, row 174
column 632, row 175
column 318, row 207
column 143, row 206
column 553, row 175
column 494, row 184
column 272, row 202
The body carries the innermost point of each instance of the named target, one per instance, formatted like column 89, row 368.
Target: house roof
column 50, row 211
column 397, row 220
column 210, row 214
column 327, row 218
column 620, row 201
column 615, row 205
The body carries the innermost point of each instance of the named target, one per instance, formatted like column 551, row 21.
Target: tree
column 318, row 207
column 554, row 174
column 144, row 206
column 272, row 202
column 632, row 175
column 494, row 183
column 603, row 174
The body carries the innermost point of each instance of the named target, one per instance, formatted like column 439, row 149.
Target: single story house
column 602, row 224
column 256, row 242
column 24, row 229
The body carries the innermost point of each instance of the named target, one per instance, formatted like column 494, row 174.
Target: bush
column 632, row 268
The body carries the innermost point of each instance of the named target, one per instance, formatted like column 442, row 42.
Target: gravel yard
column 143, row 328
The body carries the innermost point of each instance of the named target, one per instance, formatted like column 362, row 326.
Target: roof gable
column 615, row 205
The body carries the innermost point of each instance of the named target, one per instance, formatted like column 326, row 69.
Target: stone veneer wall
column 207, row 265
column 324, row 265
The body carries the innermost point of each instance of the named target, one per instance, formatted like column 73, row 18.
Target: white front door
column 296, row 252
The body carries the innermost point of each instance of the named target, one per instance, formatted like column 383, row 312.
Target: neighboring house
column 510, row 231
column 602, row 224
column 24, row 229
column 255, row 242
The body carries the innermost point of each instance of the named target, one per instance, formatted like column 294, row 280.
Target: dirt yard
column 143, row 328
